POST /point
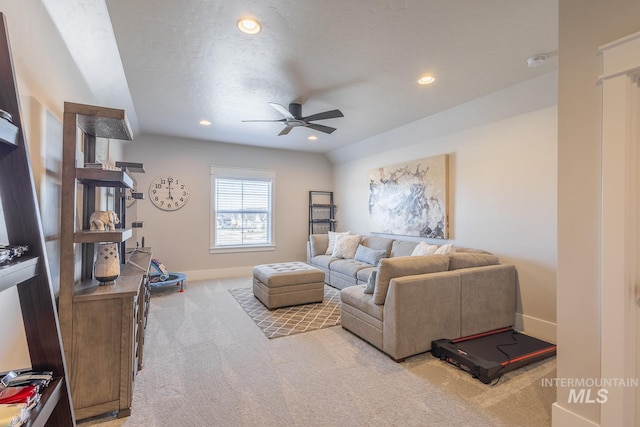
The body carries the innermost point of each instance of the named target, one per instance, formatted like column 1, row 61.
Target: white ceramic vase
column 107, row 267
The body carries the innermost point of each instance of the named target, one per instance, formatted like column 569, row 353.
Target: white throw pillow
column 445, row 249
column 424, row 248
column 346, row 245
column 332, row 240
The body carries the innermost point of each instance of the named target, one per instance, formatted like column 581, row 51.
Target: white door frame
column 619, row 228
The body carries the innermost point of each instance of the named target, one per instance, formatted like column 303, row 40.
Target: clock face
column 168, row 193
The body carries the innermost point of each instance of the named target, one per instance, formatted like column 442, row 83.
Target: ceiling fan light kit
column 249, row 25
column 293, row 118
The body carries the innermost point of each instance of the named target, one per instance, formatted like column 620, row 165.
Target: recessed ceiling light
column 205, row 122
column 426, row 80
column 536, row 60
column 312, row 138
column 249, row 25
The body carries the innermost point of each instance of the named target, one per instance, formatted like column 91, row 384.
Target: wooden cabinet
column 138, row 262
column 101, row 325
column 29, row 273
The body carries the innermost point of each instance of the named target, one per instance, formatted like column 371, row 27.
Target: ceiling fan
column 293, row 118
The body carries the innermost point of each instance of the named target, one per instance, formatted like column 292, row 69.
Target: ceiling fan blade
column 325, row 115
column 279, row 120
column 280, row 109
column 320, row 128
column 285, row 131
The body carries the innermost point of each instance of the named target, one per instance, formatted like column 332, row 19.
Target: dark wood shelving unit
column 104, row 178
column 102, row 326
column 17, row 271
column 39, row 415
column 88, row 236
column 29, row 274
column 8, row 132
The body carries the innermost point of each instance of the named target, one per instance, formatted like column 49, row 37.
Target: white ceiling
column 184, row 60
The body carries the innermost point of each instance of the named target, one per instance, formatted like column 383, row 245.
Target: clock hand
column 169, row 188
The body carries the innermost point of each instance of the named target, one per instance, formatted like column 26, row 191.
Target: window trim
column 240, row 173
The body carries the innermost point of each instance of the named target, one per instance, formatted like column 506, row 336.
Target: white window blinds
column 242, row 208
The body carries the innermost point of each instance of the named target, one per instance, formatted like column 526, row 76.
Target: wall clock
column 168, row 193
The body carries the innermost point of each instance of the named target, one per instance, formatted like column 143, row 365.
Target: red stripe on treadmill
column 526, row 356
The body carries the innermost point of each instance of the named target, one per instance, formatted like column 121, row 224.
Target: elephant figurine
column 103, row 221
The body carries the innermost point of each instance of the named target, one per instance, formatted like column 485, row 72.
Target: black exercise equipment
column 490, row 354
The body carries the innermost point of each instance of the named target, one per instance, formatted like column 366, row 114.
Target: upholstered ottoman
column 287, row 283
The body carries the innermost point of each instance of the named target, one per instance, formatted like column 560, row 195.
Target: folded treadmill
column 488, row 355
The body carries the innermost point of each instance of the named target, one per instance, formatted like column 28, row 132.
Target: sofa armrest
column 419, row 309
column 317, row 245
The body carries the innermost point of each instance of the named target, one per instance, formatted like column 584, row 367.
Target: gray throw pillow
column 370, row 256
column 371, row 283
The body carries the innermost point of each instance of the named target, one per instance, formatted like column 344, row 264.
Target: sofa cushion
column 468, row 260
column 369, row 255
column 322, row 260
column 377, row 242
column 318, row 244
column 355, row 297
column 390, row 268
column 346, row 245
column 424, row 248
column 331, row 235
column 460, row 249
column 402, row 248
column 445, row 249
column 348, row 267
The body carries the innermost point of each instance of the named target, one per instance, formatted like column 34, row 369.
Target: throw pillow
column 332, row 240
column 371, row 283
column 445, row 249
column 368, row 255
column 424, row 248
column 346, row 245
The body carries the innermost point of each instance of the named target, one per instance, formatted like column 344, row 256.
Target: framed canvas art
column 410, row 198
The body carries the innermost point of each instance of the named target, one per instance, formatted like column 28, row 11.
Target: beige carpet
column 206, row 364
column 287, row 321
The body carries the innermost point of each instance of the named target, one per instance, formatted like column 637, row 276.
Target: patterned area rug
column 287, row 321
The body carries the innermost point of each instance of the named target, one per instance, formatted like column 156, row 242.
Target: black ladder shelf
column 322, row 212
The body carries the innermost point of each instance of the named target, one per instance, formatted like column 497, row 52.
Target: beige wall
column 502, row 186
column 180, row 239
column 585, row 25
column 46, row 77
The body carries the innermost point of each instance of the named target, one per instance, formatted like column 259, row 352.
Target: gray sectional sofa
column 413, row 300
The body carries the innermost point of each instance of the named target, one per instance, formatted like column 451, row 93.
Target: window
column 242, row 209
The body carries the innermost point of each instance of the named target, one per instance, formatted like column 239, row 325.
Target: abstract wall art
column 410, row 198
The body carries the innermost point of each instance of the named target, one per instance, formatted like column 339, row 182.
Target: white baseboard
column 535, row 327
column 562, row 417
column 220, row 273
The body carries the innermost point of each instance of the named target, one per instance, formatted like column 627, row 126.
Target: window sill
column 240, row 249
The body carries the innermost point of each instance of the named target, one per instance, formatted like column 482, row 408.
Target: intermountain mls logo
column 589, row 390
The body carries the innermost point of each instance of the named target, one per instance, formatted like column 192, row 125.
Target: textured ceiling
column 184, row 60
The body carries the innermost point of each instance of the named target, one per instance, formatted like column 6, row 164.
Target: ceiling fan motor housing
column 295, row 109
